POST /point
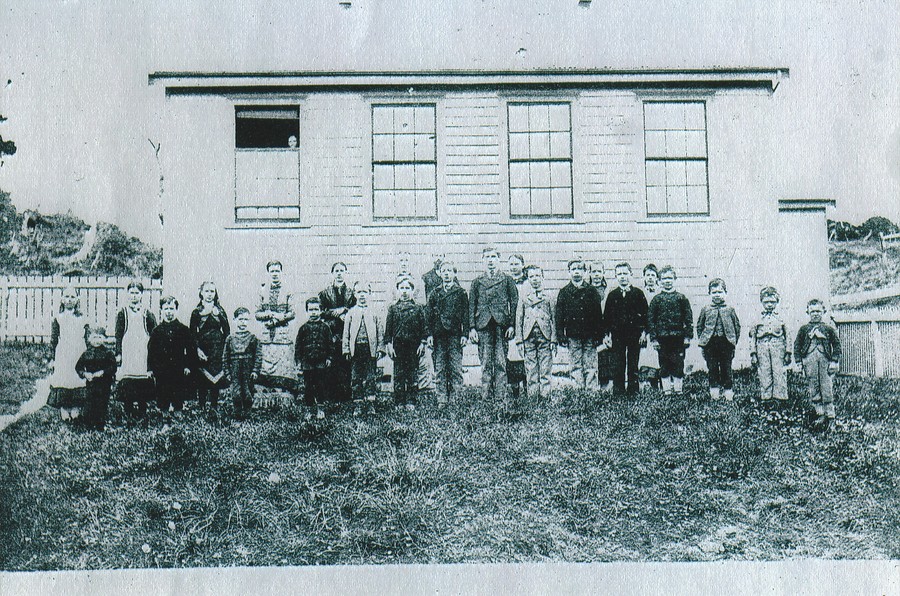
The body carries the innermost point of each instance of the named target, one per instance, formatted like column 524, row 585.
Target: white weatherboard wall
column 204, row 242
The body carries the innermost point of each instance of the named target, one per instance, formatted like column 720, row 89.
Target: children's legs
column 576, row 363
column 499, row 383
column 764, row 370
column 454, row 366
column 619, row 363
column 486, row 351
column 425, row 371
column 441, row 357
column 712, row 366
column 631, row 359
column 545, row 366
column 727, row 359
column 406, row 365
column 813, row 366
column 584, row 358
column 779, row 376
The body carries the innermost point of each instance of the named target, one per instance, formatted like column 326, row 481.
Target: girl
column 209, row 324
column 97, row 366
column 134, row 324
column 515, row 360
column 275, row 310
column 67, row 343
column 648, row 364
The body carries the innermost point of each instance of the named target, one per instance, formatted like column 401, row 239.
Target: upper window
column 540, row 160
column 404, row 164
column 267, row 167
column 675, row 157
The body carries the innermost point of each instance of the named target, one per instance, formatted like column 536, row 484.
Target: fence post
column 879, row 349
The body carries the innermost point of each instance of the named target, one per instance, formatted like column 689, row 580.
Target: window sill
column 268, row 224
column 666, row 219
column 404, row 223
column 544, row 221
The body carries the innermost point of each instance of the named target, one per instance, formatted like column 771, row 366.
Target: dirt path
column 38, row 401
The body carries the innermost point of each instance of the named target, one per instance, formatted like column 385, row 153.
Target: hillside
column 857, row 260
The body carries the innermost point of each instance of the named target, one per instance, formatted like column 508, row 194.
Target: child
column 67, row 342
column 579, row 324
column 404, row 341
column 626, row 321
column 670, row 327
column 817, row 351
column 536, row 333
column 361, row 344
column 241, row 362
column 648, row 362
column 171, row 356
column 209, row 324
column 769, row 350
column 604, row 362
column 515, row 361
column 97, row 366
column 447, row 318
column 718, row 330
column 312, row 353
column 275, row 310
column 492, row 312
column 335, row 301
column 134, row 324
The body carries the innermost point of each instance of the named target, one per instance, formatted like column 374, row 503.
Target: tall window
column 540, row 160
column 675, row 157
column 404, row 166
column 267, row 169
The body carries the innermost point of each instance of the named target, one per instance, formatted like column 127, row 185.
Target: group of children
column 510, row 315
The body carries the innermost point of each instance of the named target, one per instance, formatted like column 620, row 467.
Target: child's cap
column 769, row 292
column 241, row 311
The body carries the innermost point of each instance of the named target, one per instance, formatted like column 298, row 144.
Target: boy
column 817, row 351
column 241, row 362
column 769, row 351
column 447, row 318
column 492, row 310
column 312, row 353
column 648, row 362
column 432, row 279
column 515, row 361
column 670, row 327
column 536, row 333
column 404, row 341
column 361, row 344
column 718, row 330
column 171, row 356
column 604, row 365
column 579, row 324
column 335, row 301
column 626, row 321
column 97, row 366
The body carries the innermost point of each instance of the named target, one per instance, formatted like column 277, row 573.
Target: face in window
column 292, row 142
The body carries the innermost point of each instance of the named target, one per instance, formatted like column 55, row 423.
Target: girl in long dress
column 209, row 324
column 134, row 323
column 67, row 343
column 275, row 310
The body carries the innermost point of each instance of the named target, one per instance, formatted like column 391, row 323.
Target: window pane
column 540, row 201
column 696, row 173
column 694, row 115
column 383, row 177
column 425, row 176
column 518, row 145
column 404, row 118
column 676, row 143
column 519, row 201
column 404, row 147
column 656, row 199
column 426, row 203
column 559, row 117
column 676, row 198
column 655, row 143
column 675, row 173
column 405, row 203
column 560, row 174
column 560, row 145
column 697, row 199
column 404, row 177
column 538, row 117
column 540, row 145
column 695, row 144
column 518, row 175
column 540, row 174
column 424, row 147
column 383, row 148
column 424, row 119
column 383, row 203
column 656, row 173
column 518, row 118
column 382, row 119
column 561, row 201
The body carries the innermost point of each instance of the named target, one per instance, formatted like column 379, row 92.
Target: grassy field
column 584, row 478
column 859, row 265
column 20, row 365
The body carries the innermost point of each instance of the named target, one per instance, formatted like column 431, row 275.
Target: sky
column 73, row 76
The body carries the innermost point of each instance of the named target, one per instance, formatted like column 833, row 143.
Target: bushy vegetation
column 859, row 265
column 577, row 478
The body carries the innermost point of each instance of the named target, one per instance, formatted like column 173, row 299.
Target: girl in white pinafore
column 134, row 324
column 67, row 343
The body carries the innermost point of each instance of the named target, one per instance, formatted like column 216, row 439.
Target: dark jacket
column 447, row 313
column 171, row 349
column 210, row 332
column 670, row 315
column 831, row 344
column 626, row 314
column 332, row 300
column 94, row 360
column 706, row 324
column 314, row 345
column 579, row 313
column 405, row 323
column 245, row 362
column 431, row 280
column 493, row 298
column 122, row 323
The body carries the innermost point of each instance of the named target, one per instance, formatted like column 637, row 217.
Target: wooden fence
column 28, row 303
column 870, row 342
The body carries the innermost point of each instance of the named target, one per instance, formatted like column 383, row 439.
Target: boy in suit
column 492, row 307
column 579, row 324
column 536, row 333
column 361, row 344
column 817, row 350
column 447, row 317
column 626, row 322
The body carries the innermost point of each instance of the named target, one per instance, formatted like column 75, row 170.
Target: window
column 675, row 157
column 267, row 168
column 540, row 160
column 404, row 166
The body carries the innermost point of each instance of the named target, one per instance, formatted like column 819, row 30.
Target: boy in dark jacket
column 670, row 327
column 447, row 318
column 313, row 352
column 404, row 341
column 241, row 363
column 718, row 331
column 626, row 321
column 171, row 357
column 97, row 366
column 817, row 350
column 579, row 324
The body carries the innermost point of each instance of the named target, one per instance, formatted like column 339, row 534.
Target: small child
column 242, row 361
column 361, row 344
column 97, row 366
column 579, row 324
column 670, row 327
column 769, row 350
column 404, row 341
column 626, row 322
column 718, row 330
column 515, row 361
column 171, row 357
column 67, row 338
column 604, row 361
column 648, row 363
column 817, row 350
column 312, row 352
column 536, row 333
column 447, row 318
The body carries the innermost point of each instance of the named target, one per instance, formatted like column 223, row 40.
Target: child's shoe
column 714, row 393
column 678, row 385
column 728, row 394
column 320, row 413
column 667, row 386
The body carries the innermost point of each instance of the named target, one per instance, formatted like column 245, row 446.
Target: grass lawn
column 587, row 478
column 20, row 365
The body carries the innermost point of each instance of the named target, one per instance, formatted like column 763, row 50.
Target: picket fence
column 28, row 303
column 870, row 343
